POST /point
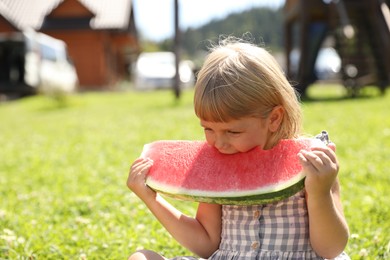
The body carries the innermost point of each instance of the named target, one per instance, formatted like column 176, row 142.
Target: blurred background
column 61, row 46
column 63, row 165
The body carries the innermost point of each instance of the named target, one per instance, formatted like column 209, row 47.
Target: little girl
column 243, row 100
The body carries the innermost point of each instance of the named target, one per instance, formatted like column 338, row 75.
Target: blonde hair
column 239, row 79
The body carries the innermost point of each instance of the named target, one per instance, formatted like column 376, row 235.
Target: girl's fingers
column 140, row 165
column 318, row 160
column 328, row 151
column 141, row 161
column 306, row 163
column 311, row 159
column 145, row 167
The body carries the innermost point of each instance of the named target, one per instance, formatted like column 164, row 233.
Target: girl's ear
column 275, row 118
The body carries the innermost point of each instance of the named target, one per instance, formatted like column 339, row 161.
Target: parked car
column 156, row 70
column 32, row 62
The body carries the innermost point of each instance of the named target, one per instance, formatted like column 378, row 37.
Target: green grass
column 63, row 171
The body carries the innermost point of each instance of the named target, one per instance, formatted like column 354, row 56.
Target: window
column 48, row 52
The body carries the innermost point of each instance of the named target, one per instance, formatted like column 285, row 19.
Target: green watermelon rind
column 259, row 199
column 177, row 190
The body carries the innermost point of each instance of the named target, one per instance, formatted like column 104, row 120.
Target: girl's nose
column 220, row 143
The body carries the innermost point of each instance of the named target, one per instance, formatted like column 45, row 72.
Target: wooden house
column 101, row 35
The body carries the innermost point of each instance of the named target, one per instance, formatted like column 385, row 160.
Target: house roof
column 109, row 14
column 23, row 14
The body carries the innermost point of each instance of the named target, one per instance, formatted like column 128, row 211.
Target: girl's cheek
column 209, row 138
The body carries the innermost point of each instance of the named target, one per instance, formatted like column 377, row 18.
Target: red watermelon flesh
column 193, row 170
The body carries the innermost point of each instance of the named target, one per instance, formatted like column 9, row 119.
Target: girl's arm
column 201, row 234
column 328, row 227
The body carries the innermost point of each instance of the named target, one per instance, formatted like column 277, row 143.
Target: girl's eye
column 234, row 132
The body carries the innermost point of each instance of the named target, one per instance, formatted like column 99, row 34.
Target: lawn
column 63, row 170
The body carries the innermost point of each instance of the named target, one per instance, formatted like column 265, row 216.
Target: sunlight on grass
column 63, row 170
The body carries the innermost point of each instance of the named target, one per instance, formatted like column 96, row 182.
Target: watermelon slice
column 193, row 170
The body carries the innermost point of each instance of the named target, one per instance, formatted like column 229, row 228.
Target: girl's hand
column 137, row 175
column 321, row 167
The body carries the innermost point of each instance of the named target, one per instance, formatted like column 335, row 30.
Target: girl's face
column 236, row 136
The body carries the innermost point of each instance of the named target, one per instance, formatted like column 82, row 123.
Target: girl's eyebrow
column 202, row 123
column 204, row 126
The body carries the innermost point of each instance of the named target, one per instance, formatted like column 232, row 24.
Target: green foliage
column 63, row 171
column 263, row 23
column 149, row 46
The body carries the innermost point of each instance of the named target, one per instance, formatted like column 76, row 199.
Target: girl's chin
column 228, row 151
